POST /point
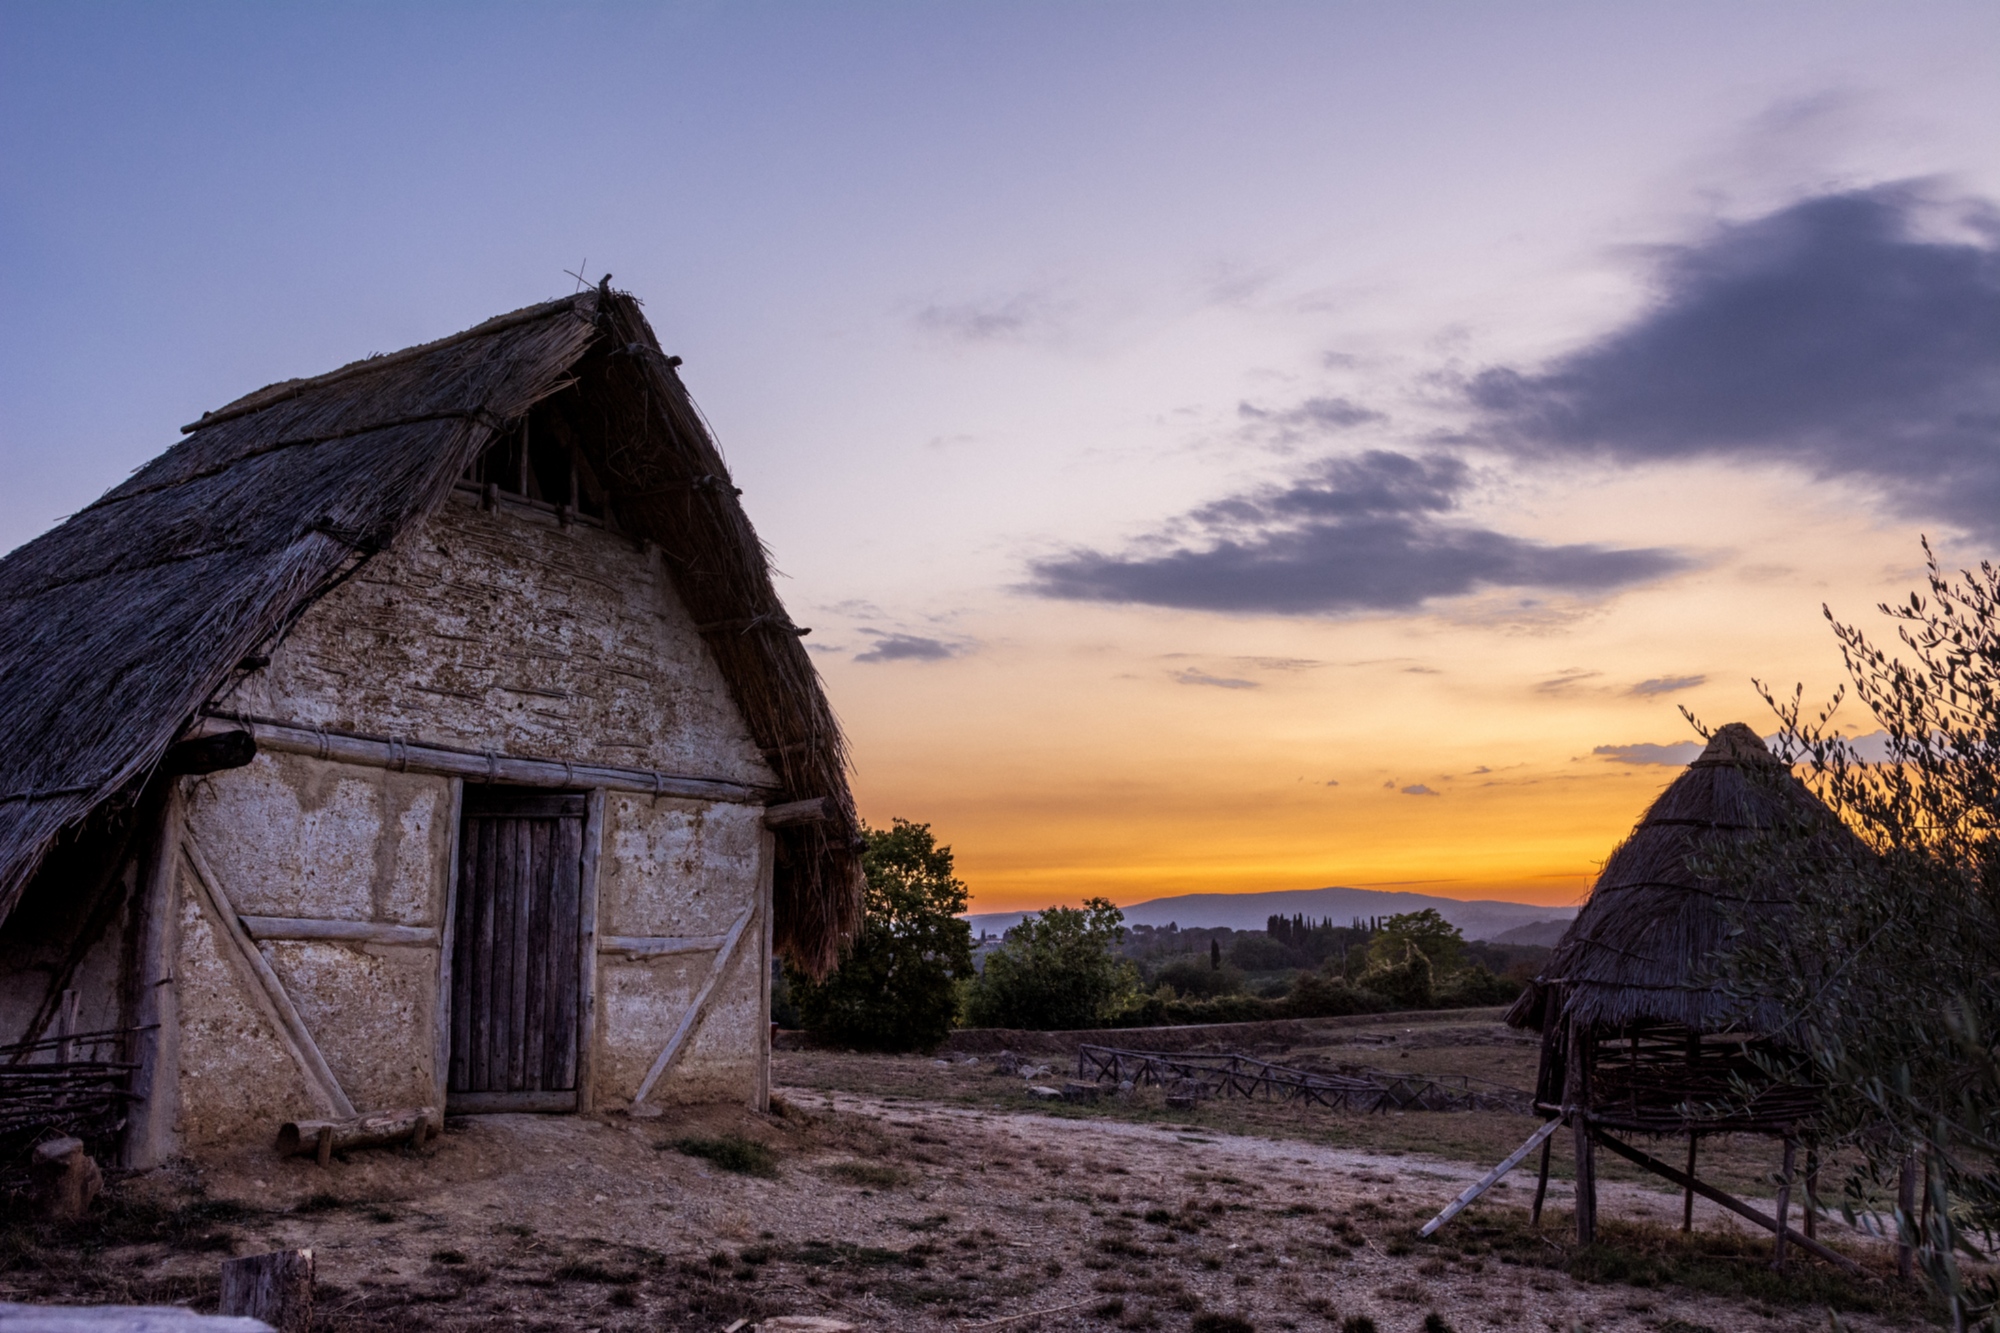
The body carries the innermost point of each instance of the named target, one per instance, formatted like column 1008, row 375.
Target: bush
column 1195, row 979
column 895, row 989
column 1056, row 971
column 731, row 1152
column 1408, row 983
column 1317, row 996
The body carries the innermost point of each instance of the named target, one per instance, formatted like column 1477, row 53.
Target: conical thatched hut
column 1637, row 1035
column 428, row 733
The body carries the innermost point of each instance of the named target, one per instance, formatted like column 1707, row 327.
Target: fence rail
column 67, row 1084
column 1352, row 1088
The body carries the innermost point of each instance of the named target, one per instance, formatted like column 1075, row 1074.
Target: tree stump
column 65, row 1178
column 276, row 1288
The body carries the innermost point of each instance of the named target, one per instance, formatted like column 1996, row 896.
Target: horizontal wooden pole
column 448, row 761
column 529, row 1103
column 658, row 946
column 1714, row 1195
column 817, row 810
column 347, row 932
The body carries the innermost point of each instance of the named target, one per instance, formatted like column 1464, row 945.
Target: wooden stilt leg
column 1906, row 1206
column 1812, row 1192
column 1577, row 1096
column 1687, row 1195
column 1542, row 1183
column 1784, row 1205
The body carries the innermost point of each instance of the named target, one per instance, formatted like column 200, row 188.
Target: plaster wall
column 479, row 629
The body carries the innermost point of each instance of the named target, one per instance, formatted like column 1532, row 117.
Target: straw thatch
column 1641, row 950
column 117, row 626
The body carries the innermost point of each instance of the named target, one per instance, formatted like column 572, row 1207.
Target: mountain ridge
column 1476, row 919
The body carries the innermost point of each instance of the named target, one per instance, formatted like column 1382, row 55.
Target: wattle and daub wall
column 498, row 630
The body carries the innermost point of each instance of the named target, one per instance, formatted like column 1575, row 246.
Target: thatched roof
column 1641, row 948
column 117, row 626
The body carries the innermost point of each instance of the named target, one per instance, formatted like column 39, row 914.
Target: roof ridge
column 272, row 394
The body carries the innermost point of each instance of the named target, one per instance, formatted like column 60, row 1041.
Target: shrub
column 1255, row 952
column 1408, row 982
column 1194, row 979
column 1476, row 986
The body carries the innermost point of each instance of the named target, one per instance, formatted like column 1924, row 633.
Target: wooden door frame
column 582, row 1101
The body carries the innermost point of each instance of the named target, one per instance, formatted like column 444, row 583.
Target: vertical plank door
column 516, row 968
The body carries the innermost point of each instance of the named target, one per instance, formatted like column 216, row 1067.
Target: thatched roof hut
column 121, row 624
column 1642, row 949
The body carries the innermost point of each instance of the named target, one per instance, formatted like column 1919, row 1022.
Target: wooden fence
column 1351, row 1088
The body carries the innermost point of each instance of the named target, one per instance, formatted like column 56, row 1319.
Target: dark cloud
column 1646, row 689
column 1314, row 416
column 1194, row 676
column 1854, row 334
column 1680, row 752
column 905, row 648
column 1362, row 533
column 1014, row 318
column 1419, row 789
column 1565, row 679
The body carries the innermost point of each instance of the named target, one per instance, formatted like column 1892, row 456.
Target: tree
column 1215, row 955
column 893, row 991
column 1887, row 971
column 1058, row 970
column 1433, row 936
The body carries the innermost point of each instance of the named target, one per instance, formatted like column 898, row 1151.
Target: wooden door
column 516, row 970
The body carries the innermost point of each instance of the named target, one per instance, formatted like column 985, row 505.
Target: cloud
column 1194, row 676
column 1419, row 789
column 1565, row 680
column 1646, row 689
column 1855, row 334
column 1021, row 317
column 1313, row 418
column 1680, row 752
column 1361, row 533
column 906, row 648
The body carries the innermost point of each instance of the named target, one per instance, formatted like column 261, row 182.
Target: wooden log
column 817, row 810
column 65, row 1179
column 210, row 754
column 344, row 932
column 1491, row 1178
column 1710, row 1192
column 379, row 1129
column 276, row 1288
column 446, row 761
column 658, row 946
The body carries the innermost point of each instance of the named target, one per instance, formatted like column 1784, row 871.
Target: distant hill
column 1483, row 919
column 1545, row 933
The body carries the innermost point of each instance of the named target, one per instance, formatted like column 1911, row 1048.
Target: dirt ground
column 940, row 1196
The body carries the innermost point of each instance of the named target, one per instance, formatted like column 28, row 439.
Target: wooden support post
column 1812, row 1191
column 1576, row 1097
column 1687, row 1194
column 767, row 878
column 1784, row 1204
column 149, row 1128
column 1906, row 1217
column 276, row 1288
column 1542, row 1182
column 587, row 948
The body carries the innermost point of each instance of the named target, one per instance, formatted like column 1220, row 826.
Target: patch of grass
column 448, row 1256
column 831, row 1253
column 879, row 1175
column 589, row 1270
column 1215, row 1321
column 1357, row 1323
column 731, row 1152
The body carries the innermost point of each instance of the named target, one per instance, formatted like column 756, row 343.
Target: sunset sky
column 1217, row 447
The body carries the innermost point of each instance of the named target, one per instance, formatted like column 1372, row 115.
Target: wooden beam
column 767, row 883
column 1710, row 1192
column 268, row 991
column 1491, row 1178
column 343, row 932
column 149, row 1129
column 447, row 946
column 587, row 950
column 677, row 1043
column 1576, row 1097
column 815, row 811
column 448, row 761
column 658, row 946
